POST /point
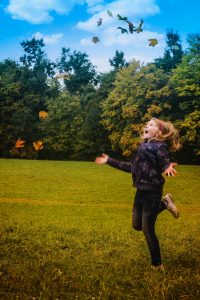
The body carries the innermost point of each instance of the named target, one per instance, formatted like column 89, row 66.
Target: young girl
column 151, row 159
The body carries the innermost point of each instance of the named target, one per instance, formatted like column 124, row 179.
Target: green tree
column 10, row 97
column 139, row 93
column 24, row 89
column 78, row 69
column 118, row 61
column 72, row 129
column 185, row 83
column 61, row 126
column 173, row 52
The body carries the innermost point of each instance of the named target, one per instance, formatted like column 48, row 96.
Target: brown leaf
column 99, row 22
column 95, row 39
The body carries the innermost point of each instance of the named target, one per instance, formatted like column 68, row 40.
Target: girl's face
column 151, row 130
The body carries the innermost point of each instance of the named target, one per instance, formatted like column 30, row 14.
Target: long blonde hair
column 168, row 133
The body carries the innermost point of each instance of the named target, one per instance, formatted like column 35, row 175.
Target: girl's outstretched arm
column 120, row 165
column 170, row 171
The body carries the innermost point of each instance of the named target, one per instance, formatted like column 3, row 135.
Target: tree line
column 74, row 112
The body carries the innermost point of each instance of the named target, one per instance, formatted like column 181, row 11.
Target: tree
column 24, row 89
column 185, row 82
column 78, row 69
column 173, row 52
column 194, row 43
column 10, row 97
column 139, row 94
column 37, row 71
column 60, row 128
column 118, row 61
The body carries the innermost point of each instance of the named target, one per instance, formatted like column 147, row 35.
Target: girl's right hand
column 102, row 159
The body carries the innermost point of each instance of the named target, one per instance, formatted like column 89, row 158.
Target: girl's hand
column 102, row 159
column 170, row 171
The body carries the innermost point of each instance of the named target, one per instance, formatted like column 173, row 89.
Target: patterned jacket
column 150, row 160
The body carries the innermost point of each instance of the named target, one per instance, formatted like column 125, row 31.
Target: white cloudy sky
column 73, row 23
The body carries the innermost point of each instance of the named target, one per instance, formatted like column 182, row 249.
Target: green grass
column 65, row 230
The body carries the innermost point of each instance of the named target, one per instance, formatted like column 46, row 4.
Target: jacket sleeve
column 163, row 157
column 124, row 166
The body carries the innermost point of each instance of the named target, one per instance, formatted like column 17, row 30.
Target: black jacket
column 151, row 159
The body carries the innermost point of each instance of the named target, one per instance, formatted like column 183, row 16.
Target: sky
column 73, row 23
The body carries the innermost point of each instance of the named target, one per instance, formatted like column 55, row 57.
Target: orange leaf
column 38, row 145
column 43, row 114
column 20, row 143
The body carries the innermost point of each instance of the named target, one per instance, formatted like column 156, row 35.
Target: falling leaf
column 95, row 39
column 139, row 28
column 43, row 114
column 122, row 18
column 153, row 42
column 38, row 145
column 18, row 144
column 123, row 30
column 109, row 13
column 99, row 22
column 131, row 27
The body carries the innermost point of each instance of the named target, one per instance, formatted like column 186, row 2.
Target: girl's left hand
column 170, row 171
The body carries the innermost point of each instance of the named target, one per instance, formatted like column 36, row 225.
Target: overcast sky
column 73, row 23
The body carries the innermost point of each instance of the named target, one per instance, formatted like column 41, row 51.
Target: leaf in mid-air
column 153, row 42
column 20, row 143
column 95, row 39
column 109, row 13
column 139, row 28
column 123, row 30
column 38, row 145
column 99, row 22
column 122, row 18
column 131, row 27
column 43, row 114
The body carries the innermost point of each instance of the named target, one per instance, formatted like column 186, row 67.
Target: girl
column 147, row 165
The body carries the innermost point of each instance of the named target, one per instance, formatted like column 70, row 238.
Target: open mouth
column 146, row 131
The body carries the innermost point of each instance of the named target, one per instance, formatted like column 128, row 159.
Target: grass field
column 65, row 230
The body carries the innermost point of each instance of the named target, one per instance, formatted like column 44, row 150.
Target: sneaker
column 168, row 199
column 159, row 267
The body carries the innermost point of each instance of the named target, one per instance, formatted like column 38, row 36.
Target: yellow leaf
column 153, row 42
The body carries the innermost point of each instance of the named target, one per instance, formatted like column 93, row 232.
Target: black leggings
column 147, row 205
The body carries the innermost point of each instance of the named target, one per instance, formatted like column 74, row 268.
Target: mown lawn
column 66, row 233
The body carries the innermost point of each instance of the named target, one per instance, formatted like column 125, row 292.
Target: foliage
column 80, row 133
column 139, row 94
column 80, row 70
column 190, row 129
column 79, row 113
column 185, row 82
column 118, row 61
column 173, row 52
